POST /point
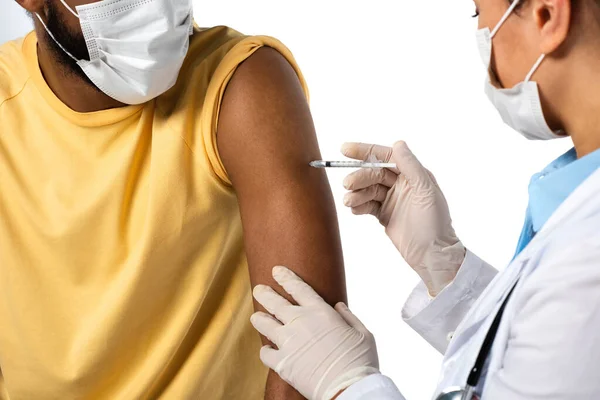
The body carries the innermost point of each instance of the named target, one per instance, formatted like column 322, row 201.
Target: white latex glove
column 411, row 206
column 322, row 350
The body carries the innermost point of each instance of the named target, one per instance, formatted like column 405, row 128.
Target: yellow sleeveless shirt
column 122, row 270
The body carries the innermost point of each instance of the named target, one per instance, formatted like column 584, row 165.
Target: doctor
column 529, row 332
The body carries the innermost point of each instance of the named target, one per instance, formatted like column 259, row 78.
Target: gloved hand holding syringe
column 393, row 185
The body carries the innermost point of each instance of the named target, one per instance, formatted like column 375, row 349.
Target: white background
column 380, row 71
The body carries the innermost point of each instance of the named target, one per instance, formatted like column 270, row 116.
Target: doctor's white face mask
column 521, row 106
column 136, row 47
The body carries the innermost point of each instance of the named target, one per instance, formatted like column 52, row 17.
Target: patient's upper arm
column 266, row 139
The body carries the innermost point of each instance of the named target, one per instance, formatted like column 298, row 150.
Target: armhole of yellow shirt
column 216, row 89
column 14, row 72
column 3, row 391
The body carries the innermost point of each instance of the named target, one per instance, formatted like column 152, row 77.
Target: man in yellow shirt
column 147, row 169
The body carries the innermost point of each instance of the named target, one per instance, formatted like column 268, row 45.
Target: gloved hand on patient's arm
column 411, row 206
column 321, row 350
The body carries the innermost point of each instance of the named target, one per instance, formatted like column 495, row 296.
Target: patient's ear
column 33, row 6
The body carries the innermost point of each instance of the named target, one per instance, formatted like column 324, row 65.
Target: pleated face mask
column 136, row 47
column 521, row 106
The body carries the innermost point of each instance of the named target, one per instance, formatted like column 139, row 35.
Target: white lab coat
column 548, row 344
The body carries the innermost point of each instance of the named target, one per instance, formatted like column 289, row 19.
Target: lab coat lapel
column 575, row 208
column 572, row 210
column 463, row 350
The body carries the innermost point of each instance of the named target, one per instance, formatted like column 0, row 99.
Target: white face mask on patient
column 521, row 106
column 136, row 47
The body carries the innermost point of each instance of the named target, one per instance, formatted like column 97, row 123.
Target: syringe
column 350, row 164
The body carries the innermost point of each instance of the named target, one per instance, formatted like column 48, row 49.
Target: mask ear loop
column 502, row 20
column 535, row 67
column 69, row 8
column 53, row 38
column 499, row 25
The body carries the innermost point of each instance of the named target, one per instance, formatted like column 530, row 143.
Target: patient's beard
column 73, row 42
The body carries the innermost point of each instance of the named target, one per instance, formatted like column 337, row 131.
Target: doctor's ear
column 33, row 6
column 553, row 21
